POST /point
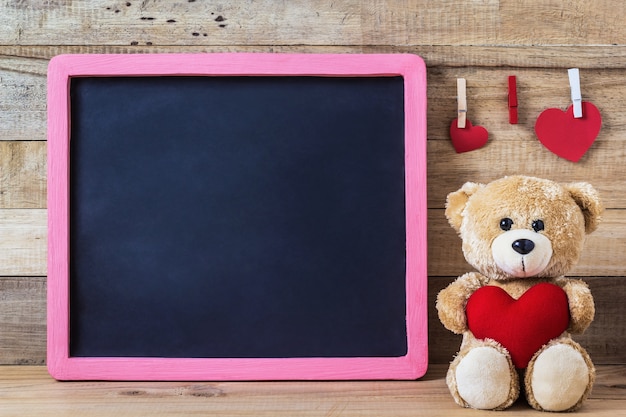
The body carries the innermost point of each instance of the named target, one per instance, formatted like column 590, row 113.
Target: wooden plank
column 602, row 256
column 22, row 105
column 448, row 171
column 22, row 320
column 28, row 390
column 606, row 336
column 32, row 59
column 387, row 22
column 23, row 164
column 23, row 327
column 604, row 339
column 22, row 174
column 23, row 246
column 23, row 249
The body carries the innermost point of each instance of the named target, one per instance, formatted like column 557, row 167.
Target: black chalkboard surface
column 237, row 217
column 252, row 217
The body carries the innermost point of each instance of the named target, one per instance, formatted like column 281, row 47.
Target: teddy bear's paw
column 559, row 377
column 484, row 379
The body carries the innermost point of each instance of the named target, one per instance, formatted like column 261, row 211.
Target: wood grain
column 447, row 170
column 22, row 175
column 33, row 59
column 28, row 390
column 23, row 251
column 23, row 322
column 23, row 246
column 318, row 22
column 603, row 339
column 601, row 254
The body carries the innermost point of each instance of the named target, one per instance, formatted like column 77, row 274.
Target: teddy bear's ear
column 589, row 202
column 456, row 201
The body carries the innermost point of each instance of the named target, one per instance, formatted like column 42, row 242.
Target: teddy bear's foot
column 484, row 378
column 559, row 377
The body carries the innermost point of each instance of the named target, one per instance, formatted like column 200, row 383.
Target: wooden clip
column 461, row 99
column 574, row 84
column 512, row 100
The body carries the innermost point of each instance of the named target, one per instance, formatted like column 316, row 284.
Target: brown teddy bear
column 522, row 234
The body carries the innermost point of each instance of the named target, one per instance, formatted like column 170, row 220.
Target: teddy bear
column 516, row 312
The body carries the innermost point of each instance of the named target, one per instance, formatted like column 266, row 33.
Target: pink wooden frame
column 64, row 367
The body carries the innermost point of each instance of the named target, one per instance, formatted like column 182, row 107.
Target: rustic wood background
column 484, row 41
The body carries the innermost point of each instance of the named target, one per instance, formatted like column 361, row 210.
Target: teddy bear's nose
column 523, row 246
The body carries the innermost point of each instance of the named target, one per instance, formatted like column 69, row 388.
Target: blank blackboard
column 222, row 219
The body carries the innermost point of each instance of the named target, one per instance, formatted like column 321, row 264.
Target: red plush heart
column 468, row 138
column 566, row 136
column 522, row 326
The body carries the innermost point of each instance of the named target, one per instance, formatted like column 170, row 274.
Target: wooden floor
column 29, row 391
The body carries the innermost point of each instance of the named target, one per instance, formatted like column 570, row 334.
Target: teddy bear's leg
column 482, row 376
column 559, row 377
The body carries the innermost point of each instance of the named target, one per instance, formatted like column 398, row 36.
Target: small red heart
column 566, row 136
column 522, row 326
column 468, row 138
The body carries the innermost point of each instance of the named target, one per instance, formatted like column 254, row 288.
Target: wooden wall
column 482, row 40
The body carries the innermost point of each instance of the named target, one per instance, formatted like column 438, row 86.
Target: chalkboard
column 218, row 224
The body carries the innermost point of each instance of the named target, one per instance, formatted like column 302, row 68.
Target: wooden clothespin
column 574, row 84
column 512, row 100
column 461, row 99
column 464, row 136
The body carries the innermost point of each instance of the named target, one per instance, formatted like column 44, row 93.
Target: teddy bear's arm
column 451, row 301
column 581, row 305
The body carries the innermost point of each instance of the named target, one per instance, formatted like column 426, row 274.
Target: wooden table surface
column 30, row 391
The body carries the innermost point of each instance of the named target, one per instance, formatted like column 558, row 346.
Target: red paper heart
column 522, row 326
column 566, row 136
column 468, row 138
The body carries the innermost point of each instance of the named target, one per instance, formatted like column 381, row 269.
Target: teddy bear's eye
column 506, row 223
column 538, row 225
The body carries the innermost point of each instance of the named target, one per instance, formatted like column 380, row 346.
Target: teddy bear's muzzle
column 521, row 253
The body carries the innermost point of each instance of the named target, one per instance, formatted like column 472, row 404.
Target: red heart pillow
column 566, row 136
column 522, row 326
column 468, row 138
